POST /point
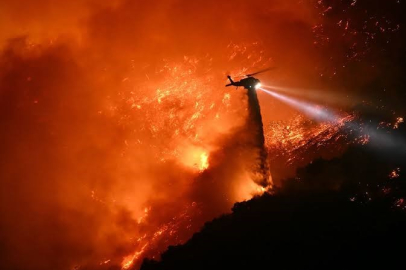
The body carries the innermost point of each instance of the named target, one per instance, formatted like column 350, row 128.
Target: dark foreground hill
column 303, row 232
column 354, row 219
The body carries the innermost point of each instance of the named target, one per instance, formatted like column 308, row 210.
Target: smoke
column 118, row 136
column 53, row 156
column 106, row 113
column 78, row 174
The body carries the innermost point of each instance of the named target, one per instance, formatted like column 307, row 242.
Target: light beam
column 313, row 94
column 311, row 110
column 379, row 138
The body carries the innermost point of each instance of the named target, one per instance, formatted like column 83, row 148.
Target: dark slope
column 305, row 232
column 340, row 214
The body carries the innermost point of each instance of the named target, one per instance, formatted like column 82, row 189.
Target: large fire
column 118, row 136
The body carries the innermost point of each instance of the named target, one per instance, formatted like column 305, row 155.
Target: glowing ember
column 287, row 138
column 363, row 139
column 137, row 142
column 401, row 203
column 399, row 121
column 395, row 173
column 105, row 262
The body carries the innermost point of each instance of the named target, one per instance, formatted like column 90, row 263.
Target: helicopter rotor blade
column 261, row 71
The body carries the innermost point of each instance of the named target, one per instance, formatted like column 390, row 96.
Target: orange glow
column 119, row 135
column 204, row 162
column 129, row 260
column 290, row 137
column 246, row 189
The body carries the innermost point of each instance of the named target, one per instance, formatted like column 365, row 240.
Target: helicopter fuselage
column 249, row 83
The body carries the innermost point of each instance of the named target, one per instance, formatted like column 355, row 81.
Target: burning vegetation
column 119, row 138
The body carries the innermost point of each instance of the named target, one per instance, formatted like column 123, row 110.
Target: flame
column 136, row 134
column 187, row 114
column 287, row 138
column 194, row 158
column 129, row 260
column 204, row 161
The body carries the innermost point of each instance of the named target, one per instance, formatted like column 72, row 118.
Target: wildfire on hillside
column 118, row 136
column 296, row 142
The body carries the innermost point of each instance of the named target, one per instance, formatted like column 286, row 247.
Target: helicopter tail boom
column 231, row 81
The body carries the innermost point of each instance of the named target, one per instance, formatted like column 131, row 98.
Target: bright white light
column 309, row 109
column 314, row 94
column 258, row 85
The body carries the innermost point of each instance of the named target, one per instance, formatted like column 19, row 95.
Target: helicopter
column 249, row 82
